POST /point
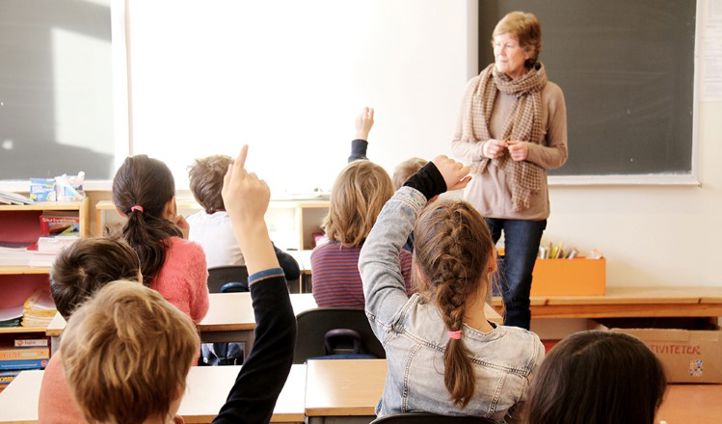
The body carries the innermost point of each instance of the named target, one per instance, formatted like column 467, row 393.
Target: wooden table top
column 208, row 388
column 19, row 400
column 691, row 403
column 344, row 387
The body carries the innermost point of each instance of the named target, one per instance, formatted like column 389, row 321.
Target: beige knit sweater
column 490, row 192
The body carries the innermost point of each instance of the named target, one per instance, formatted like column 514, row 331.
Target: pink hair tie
column 138, row 208
column 456, row 335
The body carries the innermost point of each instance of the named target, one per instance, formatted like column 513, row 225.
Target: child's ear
column 170, row 210
column 491, row 266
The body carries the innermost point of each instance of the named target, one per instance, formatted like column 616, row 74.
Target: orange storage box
column 569, row 277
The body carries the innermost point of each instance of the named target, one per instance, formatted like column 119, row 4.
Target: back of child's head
column 142, row 188
column 206, row 181
column 126, row 354
column 357, row 197
column 406, row 169
column 86, row 266
column 452, row 252
column 597, row 377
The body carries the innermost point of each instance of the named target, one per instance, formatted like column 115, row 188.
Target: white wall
column 193, row 76
column 289, row 77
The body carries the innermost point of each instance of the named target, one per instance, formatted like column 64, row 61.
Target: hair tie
column 138, row 208
column 456, row 335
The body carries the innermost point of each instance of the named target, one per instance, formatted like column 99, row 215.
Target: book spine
column 31, row 342
column 23, row 353
column 29, row 364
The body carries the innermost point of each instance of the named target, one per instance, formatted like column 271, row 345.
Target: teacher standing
column 512, row 128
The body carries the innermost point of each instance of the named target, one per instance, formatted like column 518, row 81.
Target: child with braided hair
column 443, row 356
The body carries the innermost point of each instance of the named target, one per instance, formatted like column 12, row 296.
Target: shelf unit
column 17, row 282
column 307, row 216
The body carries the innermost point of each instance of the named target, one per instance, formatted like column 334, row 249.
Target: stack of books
column 38, row 310
column 24, row 354
column 48, row 248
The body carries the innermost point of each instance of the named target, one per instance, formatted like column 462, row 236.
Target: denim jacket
column 415, row 336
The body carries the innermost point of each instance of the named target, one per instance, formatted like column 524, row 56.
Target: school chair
column 422, row 418
column 227, row 279
column 335, row 333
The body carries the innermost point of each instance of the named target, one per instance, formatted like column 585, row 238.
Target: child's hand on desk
column 245, row 195
column 364, row 122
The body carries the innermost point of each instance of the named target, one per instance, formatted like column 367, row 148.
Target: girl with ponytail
column 443, row 356
column 144, row 192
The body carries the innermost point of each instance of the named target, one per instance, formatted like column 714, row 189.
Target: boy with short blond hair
column 126, row 354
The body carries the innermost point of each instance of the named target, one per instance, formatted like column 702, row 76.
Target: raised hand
column 246, row 199
column 364, row 122
column 456, row 174
column 245, row 196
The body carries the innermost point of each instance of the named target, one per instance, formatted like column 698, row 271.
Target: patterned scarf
column 523, row 123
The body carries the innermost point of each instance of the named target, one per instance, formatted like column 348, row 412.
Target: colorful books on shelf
column 54, row 223
column 23, row 364
column 38, row 309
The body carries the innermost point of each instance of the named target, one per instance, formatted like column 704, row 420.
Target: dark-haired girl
column 144, row 192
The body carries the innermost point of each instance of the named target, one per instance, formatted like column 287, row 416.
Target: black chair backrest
column 220, row 275
column 321, row 330
column 422, row 418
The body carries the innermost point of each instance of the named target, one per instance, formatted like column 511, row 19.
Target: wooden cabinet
column 19, row 224
column 292, row 223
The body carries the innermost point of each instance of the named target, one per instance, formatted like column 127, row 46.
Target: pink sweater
column 183, row 279
column 57, row 405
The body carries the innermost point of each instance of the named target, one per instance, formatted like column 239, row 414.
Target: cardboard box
column 688, row 356
column 569, row 277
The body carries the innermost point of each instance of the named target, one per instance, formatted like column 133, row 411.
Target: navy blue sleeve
column 358, row 150
column 261, row 379
column 428, row 180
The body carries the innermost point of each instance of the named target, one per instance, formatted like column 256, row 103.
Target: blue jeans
column 521, row 247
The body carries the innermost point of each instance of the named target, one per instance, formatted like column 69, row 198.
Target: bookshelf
column 20, row 224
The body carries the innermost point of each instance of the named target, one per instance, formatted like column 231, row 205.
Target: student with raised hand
column 129, row 351
column 78, row 272
column 597, row 377
column 357, row 196
column 254, row 394
column 443, row 356
column 144, row 192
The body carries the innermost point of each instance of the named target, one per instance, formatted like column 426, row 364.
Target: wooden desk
column 19, row 400
column 230, row 318
column 343, row 390
column 206, row 391
column 620, row 302
column 691, row 403
column 208, row 388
